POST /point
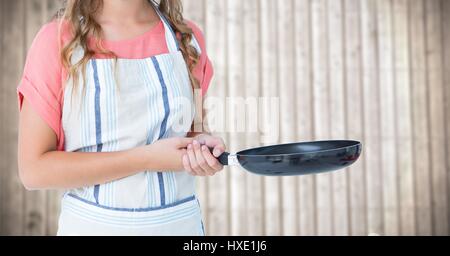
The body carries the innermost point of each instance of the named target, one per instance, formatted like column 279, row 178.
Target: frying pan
column 296, row 158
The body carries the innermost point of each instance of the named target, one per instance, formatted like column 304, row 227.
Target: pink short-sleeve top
column 44, row 75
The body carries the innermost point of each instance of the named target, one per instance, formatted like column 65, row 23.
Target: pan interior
column 299, row 148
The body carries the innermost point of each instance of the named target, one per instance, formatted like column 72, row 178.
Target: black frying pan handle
column 223, row 159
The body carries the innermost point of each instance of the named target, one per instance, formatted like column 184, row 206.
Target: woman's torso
column 126, row 104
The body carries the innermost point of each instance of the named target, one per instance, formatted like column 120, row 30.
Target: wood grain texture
column 404, row 118
column 377, row 71
column 236, row 121
column 385, row 44
column 355, row 111
column 321, row 99
column 445, row 10
column 305, row 113
column 13, row 44
column 288, row 119
column 420, row 118
column 2, row 132
column 269, row 88
column 372, row 128
column 435, row 90
column 337, row 108
column 252, row 84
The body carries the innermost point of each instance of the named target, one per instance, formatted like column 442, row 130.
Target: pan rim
column 356, row 144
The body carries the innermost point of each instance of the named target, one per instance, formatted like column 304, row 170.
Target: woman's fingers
column 218, row 150
column 214, row 142
column 218, row 146
column 211, row 160
column 201, row 161
column 193, row 161
column 187, row 165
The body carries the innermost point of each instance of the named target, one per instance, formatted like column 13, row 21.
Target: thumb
column 218, row 150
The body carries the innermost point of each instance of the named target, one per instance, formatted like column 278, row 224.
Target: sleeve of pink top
column 204, row 70
column 41, row 81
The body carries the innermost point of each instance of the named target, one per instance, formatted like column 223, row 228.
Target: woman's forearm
column 41, row 166
column 65, row 170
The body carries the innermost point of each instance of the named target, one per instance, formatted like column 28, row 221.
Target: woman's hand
column 166, row 154
column 199, row 161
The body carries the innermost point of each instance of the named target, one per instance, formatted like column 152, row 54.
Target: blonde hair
column 80, row 16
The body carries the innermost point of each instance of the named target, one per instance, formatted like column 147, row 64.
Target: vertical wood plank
column 286, row 78
column 355, row 115
column 2, row 130
column 337, row 106
column 237, row 141
column 371, row 117
column 403, row 118
column 436, row 113
column 272, row 192
column 387, row 117
column 35, row 201
column 321, row 109
column 446, row 64
column 53, row 210
column 194, row 11
column 420, row 117
column 304, row 103
column 251, row 72
column 13, row 44
column 383, row 67
column 53, row 6
column 218, row 197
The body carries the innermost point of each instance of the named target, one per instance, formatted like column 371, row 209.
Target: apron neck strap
column 171, row 39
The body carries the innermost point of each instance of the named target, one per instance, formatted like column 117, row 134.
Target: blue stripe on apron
column 164, row 122
column 98, row 120
column 111, row 120
column 151, row 107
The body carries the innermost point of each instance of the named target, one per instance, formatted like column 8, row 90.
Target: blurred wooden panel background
column 372, row 70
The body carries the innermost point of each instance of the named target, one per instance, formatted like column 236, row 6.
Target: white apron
column 152, row 101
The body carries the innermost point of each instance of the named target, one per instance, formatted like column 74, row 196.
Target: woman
column 103, row 94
